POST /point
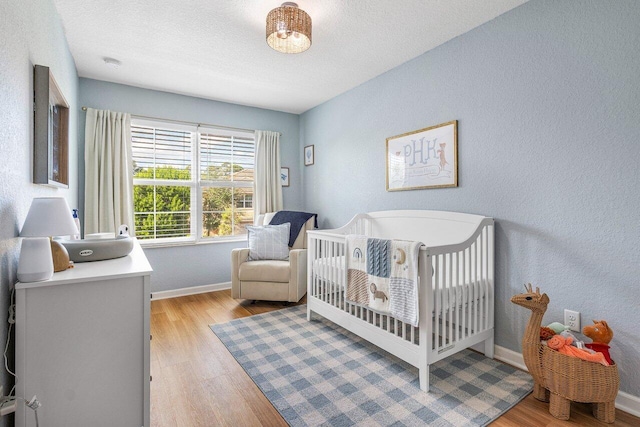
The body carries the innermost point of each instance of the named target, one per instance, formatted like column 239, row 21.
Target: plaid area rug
column 318, row 374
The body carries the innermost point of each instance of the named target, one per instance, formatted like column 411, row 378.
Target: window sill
column 153, row 245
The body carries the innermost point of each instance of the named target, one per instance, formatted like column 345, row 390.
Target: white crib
column 456, row 284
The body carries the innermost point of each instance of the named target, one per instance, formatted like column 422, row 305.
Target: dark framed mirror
column 50, row 131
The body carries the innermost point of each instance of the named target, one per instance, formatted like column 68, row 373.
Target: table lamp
column 40, row 256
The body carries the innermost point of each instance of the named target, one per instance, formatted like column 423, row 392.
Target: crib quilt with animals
column 382, row 274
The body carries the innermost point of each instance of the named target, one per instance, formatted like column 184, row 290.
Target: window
column 191, row 183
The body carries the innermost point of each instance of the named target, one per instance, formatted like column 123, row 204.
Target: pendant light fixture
column 289, row 29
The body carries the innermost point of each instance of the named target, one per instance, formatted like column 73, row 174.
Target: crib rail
column 327, row 281
column 456, row 287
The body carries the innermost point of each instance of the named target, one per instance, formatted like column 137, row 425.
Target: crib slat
column 325, row 284
column 337, row 271
column 333, row 273
column 485, row 232
column 413, row 334
column 342, row 290
column 466, row 303
column 329, row 272
column 443, row 306
column 477, row 287
column 321, row 270
column 455, row 267
column 452, row 297
column 483, row 283
column 473, row 290
column 319, row 281
column 472, row 318
column 330, row 279
column 436, row 314
column 314, row 277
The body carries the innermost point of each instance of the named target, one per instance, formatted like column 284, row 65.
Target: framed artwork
column 284, row 177
column 308, row 155
column 425, row 158
column 50, row 131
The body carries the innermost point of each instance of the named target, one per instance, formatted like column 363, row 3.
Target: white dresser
column 82, row 345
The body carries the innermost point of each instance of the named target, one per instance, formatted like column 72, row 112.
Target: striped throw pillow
column 269, row 242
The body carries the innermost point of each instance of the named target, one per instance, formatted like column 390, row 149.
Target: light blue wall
column 185, row 266
column 30, row 34
column 547, row 99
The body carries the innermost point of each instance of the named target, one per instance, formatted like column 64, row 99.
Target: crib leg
column 308, row 314
column 424, row 379
column 488, row 347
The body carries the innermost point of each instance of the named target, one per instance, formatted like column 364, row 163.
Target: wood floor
column 196, row 382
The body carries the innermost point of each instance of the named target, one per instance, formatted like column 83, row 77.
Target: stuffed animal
column 601, row 335
column 546, row 333
column 576, row 342
column 563, row 345
column 557, row 327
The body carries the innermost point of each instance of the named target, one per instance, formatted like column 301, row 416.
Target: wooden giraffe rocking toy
column 561, row 379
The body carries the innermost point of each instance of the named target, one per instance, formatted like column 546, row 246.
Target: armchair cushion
column 257, row 271
column 269, row 242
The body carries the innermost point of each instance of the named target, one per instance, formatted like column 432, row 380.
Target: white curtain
column 267, row 188
column 108, row 166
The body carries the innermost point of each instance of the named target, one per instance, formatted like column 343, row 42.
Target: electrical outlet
column 572, row 319
column 6, row 406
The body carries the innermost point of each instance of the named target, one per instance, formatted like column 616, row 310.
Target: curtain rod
column 188, row 123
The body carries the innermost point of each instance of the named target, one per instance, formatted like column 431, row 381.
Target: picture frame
column 308, row 155
column 425, row 158
column 284, row 176
column 50, row 131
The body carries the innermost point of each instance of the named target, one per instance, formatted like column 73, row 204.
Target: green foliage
column 163, row 172
column 225, row 227
column 220, row 173
column 173, row 204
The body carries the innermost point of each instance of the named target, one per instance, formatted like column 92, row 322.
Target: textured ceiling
column 216, row 49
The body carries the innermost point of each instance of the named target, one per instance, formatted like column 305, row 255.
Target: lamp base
column 35, row 262
column 60, row 256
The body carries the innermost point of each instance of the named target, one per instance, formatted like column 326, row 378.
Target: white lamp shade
column 49, row 216
column 35, row 263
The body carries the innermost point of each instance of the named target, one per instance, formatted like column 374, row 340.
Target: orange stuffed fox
column 601, row 334
column 563, row 345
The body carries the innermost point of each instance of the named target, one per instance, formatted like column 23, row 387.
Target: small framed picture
column 284, row 176
column 308, row 155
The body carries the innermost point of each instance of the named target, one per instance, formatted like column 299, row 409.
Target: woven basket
column 581, row 381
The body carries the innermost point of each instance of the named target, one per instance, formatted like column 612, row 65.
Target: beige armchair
column 271, row 280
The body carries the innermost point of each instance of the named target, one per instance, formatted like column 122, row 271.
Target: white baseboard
column 193, row 290
column 628, row 403
column 511, row 357
column 625, row 402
